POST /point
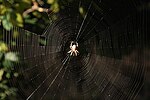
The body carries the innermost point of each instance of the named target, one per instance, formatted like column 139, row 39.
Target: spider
column 73, row 48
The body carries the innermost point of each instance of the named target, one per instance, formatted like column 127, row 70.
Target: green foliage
column 31, row 20
column 6, row 23
column 10, row 15
column 7, row 61
column 11, row 12
column 54, row 5
column 3, row 47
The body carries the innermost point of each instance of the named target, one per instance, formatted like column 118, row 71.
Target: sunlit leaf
column 16, row 19
column 16, row 74
column 3, row 9
column 6, row 23
column 27, row 1
column 3, row 47
column 50, row 1
column 19, row 20
column 10, row 56
column 55, row 7
column 81, row 10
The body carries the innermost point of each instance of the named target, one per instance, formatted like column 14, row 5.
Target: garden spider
column 73, row 47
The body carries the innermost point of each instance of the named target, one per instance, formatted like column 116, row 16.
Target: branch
column 35, row 7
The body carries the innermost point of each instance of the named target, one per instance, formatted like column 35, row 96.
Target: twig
column 35, row 7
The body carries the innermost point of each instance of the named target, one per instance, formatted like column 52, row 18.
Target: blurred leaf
column 7, row 64
column 6, row 22
column 19, row 20
column 81, row 10
column 37, row 14
column 3, row 85
column 3, row 47
column 1, row 55
column 55, row 7
column 27, row 16
column 16, row 74
column 2, row 96
column 21, row 5
column 7, row 4
column 11, row 1
column 4, row 81
column 10, row 56
column 3, row 9
column 15, row 34
column 7, row 75
column 13, row 43
column 31, row 21
column 1, row 74
column 16, row 19
column 50, row 1
column 7, row 91
column 27, row 1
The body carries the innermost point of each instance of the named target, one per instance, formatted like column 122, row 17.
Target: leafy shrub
column 7, row 61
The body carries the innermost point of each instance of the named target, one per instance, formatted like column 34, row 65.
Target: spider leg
column 71, row 43
column 77, row 44
column 77, row 51
column 69, row 51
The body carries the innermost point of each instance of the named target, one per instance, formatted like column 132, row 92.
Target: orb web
column 110, row 64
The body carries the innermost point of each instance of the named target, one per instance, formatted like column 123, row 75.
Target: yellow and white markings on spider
column 73, row 49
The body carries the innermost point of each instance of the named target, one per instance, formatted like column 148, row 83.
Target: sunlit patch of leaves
column 54, row 5
column 7, row 62
column 10, row 15
column 11, row 12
